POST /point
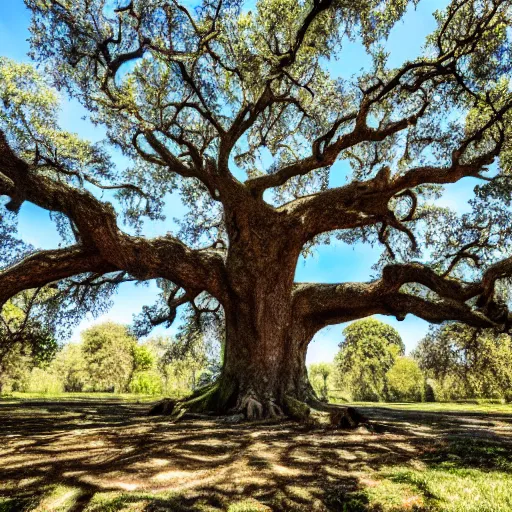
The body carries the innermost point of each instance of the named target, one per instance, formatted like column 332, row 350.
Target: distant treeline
column 109, row 358
column 453, row 362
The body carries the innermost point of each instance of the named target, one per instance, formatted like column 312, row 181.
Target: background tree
column 25, row 342
column 405, row 381
column 15, row 368
column 466, row 362
column 145, row 378
column 319, row 374
column 108, row 350
column 109, row 358
column 143, row 358
column 236, row 111
column 70, row 365
column 192, row 357
column 368, row 351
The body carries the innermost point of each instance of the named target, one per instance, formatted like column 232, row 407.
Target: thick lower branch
column 326, row 304
column 45, row 267
column 99, row 235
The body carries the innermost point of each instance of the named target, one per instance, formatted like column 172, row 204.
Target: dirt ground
column 109, row 455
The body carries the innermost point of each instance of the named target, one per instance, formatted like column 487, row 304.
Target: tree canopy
column 111, row 356
column 405, row 381
column 22, row 331
column 371, row 328
column 234, row 108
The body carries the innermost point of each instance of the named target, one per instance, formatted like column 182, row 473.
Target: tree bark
column 265, row 350
column 264, row 368
column 264, row 364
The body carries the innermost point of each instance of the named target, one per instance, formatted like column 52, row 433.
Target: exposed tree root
column 212, row 401
column 198, row 402
column 340, row 416
column 255, row 408
column 163, row 407
column 296, row 409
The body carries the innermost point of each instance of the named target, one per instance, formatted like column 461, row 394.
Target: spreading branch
column 96, row 227
column 447, row 298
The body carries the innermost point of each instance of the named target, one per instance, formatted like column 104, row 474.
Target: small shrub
column 405, row 381
column 146, row 382
column 448, row 390
column 43, row 381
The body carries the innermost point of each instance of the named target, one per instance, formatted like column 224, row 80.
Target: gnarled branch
column 325, row 304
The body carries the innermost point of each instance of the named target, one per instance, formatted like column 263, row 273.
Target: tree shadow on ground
column 98, row 455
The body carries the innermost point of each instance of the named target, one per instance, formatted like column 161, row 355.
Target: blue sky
column 333, row 263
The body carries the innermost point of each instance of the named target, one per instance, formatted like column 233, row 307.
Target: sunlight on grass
column 470, row 475
column 178, row 475
column 113, row 502
column 131, row 397
column 51, row 461
column 443, row 489
column 249, row 505
column 60, row 499
column 441, row 407
column 54, row 498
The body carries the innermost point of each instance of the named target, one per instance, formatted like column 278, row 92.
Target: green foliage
column 143, row 358
column 71, row 367
column 148, row 382
column 463, row 362
column 15, row 369
column 25, row 342
column 369, row 349
column 174, row 87
column 17, row 327
column 320, row 378
column 372, row 328
column 405, row 381
column 108, row 352
column 430, row 390
column 109, row 358
column 29, row 114
column 187, row 362
column 43, row 381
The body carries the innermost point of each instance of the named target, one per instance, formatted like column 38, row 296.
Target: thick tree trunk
column 264, row 368
column 264, row 364
column 265, row 353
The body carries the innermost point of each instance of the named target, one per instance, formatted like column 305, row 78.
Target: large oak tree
column 233, row 106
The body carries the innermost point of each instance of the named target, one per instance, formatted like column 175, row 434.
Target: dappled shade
column 98, row 454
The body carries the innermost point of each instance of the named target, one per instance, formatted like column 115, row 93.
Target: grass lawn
column 457, row 407
column 94, row 453
column 131, row 397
